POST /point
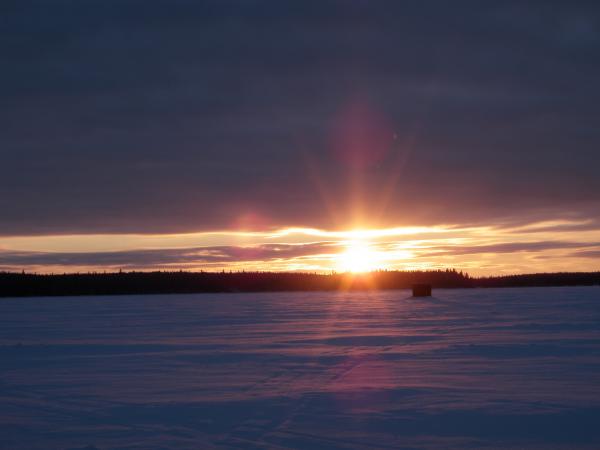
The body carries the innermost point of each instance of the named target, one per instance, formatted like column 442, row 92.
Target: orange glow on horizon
column 550, row 245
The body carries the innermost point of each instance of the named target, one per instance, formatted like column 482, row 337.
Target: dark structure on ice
column 421, row 290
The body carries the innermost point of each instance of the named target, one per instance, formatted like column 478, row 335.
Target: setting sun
column 359, row 257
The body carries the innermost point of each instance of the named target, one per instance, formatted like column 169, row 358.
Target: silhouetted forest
column 540, row 279
column 23, row 284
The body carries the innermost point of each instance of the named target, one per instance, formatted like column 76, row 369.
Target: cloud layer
column 170, row 116
column 480, row 251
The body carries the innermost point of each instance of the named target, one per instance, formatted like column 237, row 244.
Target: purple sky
column 132, row 116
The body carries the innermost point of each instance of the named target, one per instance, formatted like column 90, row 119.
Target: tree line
column 161, row 282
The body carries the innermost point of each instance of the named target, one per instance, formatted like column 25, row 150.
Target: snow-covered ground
column 494, row 369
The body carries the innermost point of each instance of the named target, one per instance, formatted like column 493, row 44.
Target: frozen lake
column 493, row 369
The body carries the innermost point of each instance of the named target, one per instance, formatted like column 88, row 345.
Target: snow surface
column 484, row 368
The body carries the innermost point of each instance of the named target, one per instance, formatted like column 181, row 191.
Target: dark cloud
column 181, row 257
column 156, row 116
column 508, row 247
column 594, row 254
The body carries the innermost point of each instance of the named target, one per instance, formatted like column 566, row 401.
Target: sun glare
column 358, row 257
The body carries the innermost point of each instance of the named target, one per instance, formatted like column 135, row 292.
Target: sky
column 299, row 135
